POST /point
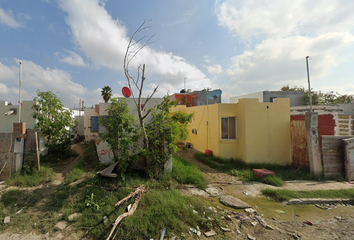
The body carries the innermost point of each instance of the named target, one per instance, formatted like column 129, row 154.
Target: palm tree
column 106, row 93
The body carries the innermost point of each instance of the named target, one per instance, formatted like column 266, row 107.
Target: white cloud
column 72, row 58
column 279, row 60
column 7, row 18
column 104, row 41
column 282, row 18
column 216, row 69
column 279, row 34
column 36, row 77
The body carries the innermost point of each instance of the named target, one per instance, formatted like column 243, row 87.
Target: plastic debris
column 129, row 207
column 309, row 222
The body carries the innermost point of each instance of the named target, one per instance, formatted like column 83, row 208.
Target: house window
column 228, row 128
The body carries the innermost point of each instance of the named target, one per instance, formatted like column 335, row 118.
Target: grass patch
column 32, row 178
column 284, row 195
column 74, row 175
column 187, row 173
column 243, row 170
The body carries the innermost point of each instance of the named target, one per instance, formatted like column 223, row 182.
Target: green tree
column 54, row 121
column 164, row 127
column 122, row 133
column 106, row 93
column 320, row 98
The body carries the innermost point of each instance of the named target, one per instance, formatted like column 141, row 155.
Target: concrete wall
column 295, row 96
column 89, row 112
column 258, row 95
column 131, row 104
column 262, row 130
column 6, row 122
column 202, row 98
column 7, row 157
column 343, row 115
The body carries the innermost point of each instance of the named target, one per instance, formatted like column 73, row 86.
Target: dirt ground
column 285, row 221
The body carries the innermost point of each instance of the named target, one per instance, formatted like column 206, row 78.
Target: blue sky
column 239, row 46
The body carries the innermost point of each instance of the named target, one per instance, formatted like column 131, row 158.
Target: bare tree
column 133, row 48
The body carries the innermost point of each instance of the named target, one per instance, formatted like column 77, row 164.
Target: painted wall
column 267, row 129
column 258, row 95
column 189, row 96
column 262, row 130
column 6, row 122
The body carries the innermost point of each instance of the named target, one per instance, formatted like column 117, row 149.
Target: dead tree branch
column 138, row 192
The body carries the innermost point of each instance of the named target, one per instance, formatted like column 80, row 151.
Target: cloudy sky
column 239, row 46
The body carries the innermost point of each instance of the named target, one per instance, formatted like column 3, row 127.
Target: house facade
column 253, row 131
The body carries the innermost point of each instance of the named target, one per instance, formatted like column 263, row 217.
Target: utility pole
column 20, row 83
column 308, row 80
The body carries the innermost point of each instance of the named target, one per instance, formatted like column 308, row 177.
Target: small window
column 228, row 128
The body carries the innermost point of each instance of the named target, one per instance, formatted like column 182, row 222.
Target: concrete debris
column 224, row 229
column 250, row 237
column 193, row 230
column 105, row 220
column 210, row 233
column 254, row 224
column 61, row 225
column 269, row 227
column 231, row 201
column 250, row 210
column 74, row 216
column 7, row 219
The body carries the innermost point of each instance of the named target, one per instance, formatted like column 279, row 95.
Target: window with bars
column 228, row 128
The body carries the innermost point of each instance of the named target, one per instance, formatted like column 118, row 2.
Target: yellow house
column 248, row 130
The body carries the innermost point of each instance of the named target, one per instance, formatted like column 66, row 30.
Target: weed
column 185, row 172
column 74, row 175
column 283, row 195
column 272, row 180
column 31, row 178
column 91, row 203
column 239, row 168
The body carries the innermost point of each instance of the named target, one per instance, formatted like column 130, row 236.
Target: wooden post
column 38, row 162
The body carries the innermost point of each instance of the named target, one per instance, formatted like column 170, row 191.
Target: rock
column 74, row 216
column 212, row 191
column 250, row 237
column 225, row 229
column 210, row 233
column 61, row 225
column 7, row 219
column 231, row 201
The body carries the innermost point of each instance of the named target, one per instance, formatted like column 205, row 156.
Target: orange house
column 189, row 99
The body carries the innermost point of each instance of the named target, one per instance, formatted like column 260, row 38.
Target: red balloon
column 126, row 92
